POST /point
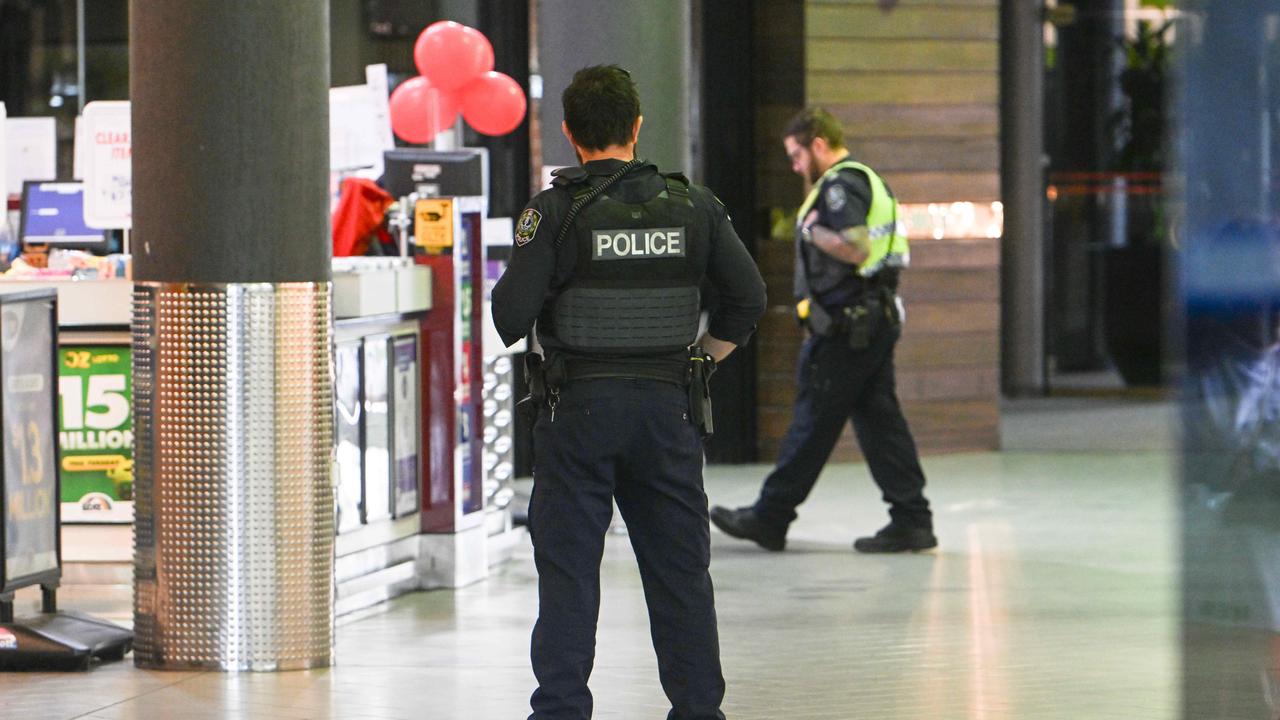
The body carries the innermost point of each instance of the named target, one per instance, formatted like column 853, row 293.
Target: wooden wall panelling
column 907, row 21
column 879, row 4
column 918, row 350
column 892, row 54
column 926, row 284
column 887, row 120
column 933, row 186
column 917, row 88
column 928, row 154
column 886, row 87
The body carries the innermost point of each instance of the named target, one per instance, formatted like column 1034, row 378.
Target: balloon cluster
column 456, row 66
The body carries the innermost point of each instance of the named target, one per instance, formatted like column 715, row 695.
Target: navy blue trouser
column 631, row 440
column 836, row 384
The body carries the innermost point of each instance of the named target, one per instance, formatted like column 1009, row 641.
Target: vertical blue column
column 1229, row 294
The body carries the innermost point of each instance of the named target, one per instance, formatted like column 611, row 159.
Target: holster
column 546, row 378
column 535, row 375
column 820, row 322
column 527, row 407
column 860, row 322
column 701, row 367
column 544, row 381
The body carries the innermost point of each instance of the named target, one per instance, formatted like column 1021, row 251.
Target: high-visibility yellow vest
column 887, row 233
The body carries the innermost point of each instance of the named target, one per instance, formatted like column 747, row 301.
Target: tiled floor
column 1053, row 596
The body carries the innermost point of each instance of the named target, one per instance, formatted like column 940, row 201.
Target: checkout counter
column 424, row 393
column 384, row 312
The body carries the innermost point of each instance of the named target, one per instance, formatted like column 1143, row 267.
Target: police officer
column 849, row 251
column 609, row 263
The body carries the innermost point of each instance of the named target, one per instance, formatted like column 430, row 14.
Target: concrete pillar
column 1022, row 296
column 650, row 40
column 233, row 397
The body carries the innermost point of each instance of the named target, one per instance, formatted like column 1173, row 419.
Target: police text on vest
column 638, row 244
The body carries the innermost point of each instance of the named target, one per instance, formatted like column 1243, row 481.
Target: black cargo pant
column 631, row 440
column 836, row 384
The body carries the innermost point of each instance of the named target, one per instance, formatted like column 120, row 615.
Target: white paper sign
column 4, row 163
column 376, row 78
column 31, row 151
column 353, row 131
column 360, row 125
column 108, row 165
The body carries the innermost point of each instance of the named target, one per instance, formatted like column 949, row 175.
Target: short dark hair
column 601, row 106
column 814, row 122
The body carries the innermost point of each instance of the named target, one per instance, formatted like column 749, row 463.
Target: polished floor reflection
column 1053, row 595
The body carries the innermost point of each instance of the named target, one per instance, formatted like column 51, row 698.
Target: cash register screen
column 53, row 214
column 435, row 173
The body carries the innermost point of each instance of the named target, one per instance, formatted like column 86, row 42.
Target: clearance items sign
column 108, row 164
column 96, row 433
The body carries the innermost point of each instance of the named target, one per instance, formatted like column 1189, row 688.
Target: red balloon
column 451, row 55
column 493, row 104
column 420, row 111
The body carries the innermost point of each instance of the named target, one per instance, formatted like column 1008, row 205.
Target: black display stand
column 56, row 640
column 30, row 537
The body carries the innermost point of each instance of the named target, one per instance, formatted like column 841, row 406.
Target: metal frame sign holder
column 30, row 538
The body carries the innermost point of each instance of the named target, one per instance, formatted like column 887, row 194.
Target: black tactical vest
column 634, row 290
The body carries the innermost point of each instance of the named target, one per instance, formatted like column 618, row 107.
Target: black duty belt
column 672, row 371
column 858, row 322
column 693, row 374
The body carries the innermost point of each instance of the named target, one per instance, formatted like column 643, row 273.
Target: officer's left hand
column 810, row 219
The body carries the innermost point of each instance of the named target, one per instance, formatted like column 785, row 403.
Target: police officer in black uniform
column 849, row 252
column 609, row 263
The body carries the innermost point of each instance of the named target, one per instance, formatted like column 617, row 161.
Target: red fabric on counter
column 361, row 208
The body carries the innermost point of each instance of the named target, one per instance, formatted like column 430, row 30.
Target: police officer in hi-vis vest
column 849, row 250
column 609, row 262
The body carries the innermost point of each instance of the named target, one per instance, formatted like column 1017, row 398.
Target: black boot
column 894, row 538
column 745, row 524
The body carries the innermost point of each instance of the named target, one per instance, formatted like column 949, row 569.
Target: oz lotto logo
column 96, row 422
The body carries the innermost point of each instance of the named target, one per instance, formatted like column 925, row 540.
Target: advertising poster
column 471, row 470
column 4, row 162
column 377, row 429
column 404, row 405
column 348, row 382
column 30, row 476
column 96, row 432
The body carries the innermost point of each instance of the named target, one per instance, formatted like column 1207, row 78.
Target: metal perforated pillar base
column 233, row 413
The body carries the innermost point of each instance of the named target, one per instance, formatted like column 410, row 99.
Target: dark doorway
column 727, row 137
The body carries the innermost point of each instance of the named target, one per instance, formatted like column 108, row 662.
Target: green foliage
column 782, row 223
column 1140, row 127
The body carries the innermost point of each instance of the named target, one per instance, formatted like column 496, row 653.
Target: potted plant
column 1135, row 276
